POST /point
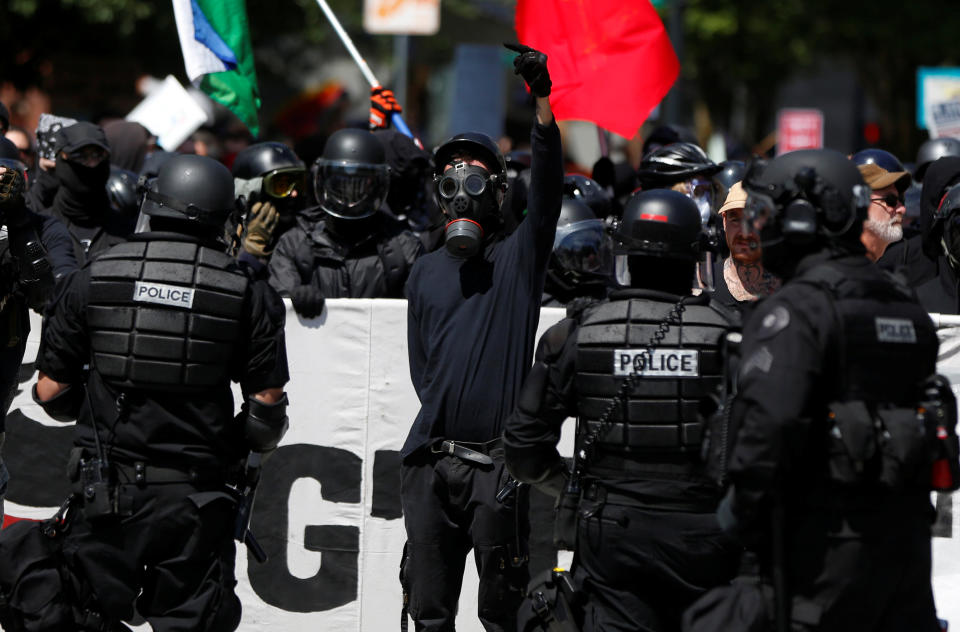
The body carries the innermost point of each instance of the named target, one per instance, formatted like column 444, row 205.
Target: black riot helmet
column 581, row 246
column 670, row 164
column 880, row 157
column 658, row 241
column 351, row 177
column 470, row 196
column 261, row 158
column 948, row 215
column 194, row 190
column 805, row 201
column 588, row 191
column 933, row 150
column 475, row 144
column 731, row 172
column 122, row 192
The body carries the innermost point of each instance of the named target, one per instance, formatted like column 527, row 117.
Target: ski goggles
column 281, row 183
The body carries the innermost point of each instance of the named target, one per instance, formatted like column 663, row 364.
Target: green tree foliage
column 738, row 52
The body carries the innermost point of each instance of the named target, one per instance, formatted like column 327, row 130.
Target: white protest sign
column 170, row 114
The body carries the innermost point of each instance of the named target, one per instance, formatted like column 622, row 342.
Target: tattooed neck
column 748, row 281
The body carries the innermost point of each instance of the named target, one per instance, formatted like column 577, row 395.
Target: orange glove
column 382, row 106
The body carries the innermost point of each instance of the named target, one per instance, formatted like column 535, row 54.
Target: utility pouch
column 99, row 490
column 566, row 518
column 852, row 443
column 904, row 447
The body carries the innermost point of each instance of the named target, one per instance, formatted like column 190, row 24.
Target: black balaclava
column 82, row 196
column 938, row 178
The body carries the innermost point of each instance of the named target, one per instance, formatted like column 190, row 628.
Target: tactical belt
column 650, row 437
column 596, row 491
column 473, row 452
column 141, row 473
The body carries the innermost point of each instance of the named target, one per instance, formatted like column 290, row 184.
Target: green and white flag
column 215, row 39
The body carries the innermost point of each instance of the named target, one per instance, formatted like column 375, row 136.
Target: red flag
column 610, row 61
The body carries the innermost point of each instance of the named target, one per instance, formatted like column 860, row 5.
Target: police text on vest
column 895, row 330
column 662, row 362
column 172, row 295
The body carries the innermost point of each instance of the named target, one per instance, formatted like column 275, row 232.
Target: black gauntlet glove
column 531, row 64
column 307, row 300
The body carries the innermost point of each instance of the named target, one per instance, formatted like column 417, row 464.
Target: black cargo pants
column 449, row 507
column 173, row 555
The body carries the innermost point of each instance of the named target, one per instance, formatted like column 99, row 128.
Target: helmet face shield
column 351, row 190
column 700, row 190
column 584, row 248
column 759, row 213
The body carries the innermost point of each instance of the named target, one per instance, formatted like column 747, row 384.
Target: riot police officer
column 349, row 246
column 165, row 322
column 830, row 486
column 632, row 370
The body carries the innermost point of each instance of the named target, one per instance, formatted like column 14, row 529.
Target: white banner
column 328, row 507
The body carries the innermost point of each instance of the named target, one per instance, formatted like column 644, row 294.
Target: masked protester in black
column 581, row 264
column 473, row 308
column 156, row 438
column 410, row 195
column 841, row 530
column 349, row 246
column 27, row 274
column 647, row 540
column 81, row 202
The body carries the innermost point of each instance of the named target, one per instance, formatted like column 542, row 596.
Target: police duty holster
column 553, row 604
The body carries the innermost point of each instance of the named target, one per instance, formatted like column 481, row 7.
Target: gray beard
column 885, row 231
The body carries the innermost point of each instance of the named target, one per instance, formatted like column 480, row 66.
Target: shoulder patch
column 774, row 322
column 761, row 360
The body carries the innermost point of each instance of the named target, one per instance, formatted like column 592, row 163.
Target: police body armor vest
column 660, row 414
column 885, row 350
column 887, row 344
column 164, row 315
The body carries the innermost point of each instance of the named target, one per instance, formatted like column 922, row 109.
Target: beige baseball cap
column 736, row 198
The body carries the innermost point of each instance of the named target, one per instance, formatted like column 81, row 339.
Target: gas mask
column 470, row 196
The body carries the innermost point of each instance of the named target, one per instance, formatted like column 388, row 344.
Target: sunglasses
column 281, row 183
column 890, row 200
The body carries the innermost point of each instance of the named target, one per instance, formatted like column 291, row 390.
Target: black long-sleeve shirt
column 472, row 323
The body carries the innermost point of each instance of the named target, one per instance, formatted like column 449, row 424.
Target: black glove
column 307, row 300
column 531, row 64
